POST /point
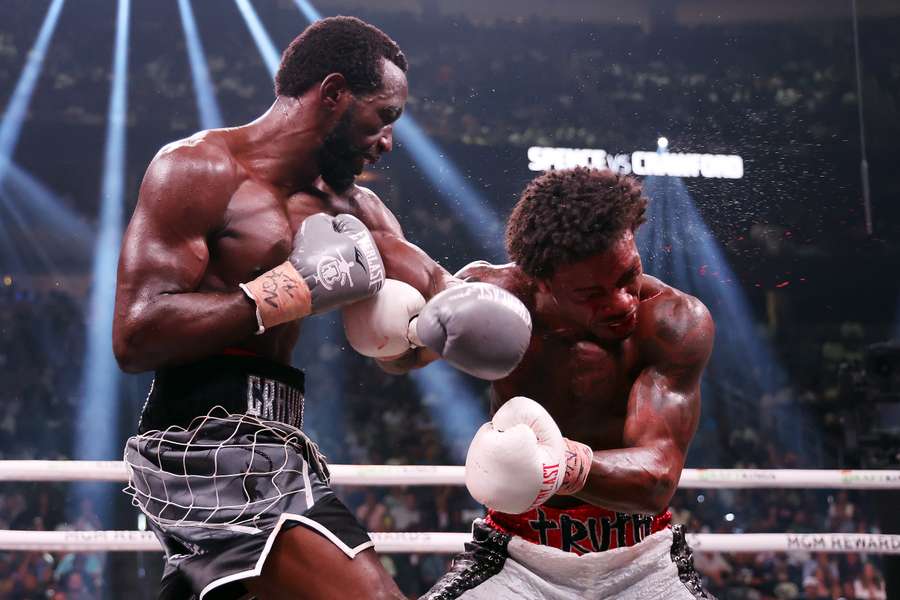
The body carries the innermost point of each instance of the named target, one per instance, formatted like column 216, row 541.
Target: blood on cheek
column 601, row 308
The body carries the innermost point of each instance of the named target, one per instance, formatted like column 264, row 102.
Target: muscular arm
column 160, row 318
column 663, row 412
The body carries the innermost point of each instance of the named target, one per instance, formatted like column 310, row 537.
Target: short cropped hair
column 568, row 215
column 344, row 45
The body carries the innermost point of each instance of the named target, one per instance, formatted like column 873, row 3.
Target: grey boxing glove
column 479, row 328
column 338, row 260
column 334, row 262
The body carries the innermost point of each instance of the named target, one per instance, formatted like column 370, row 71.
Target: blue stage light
column 96, row 433
column 309, row 11
column 210, row 116
column 483, row 225
column 270, row 54
column 31, row 207
column 11, row 128
column 17, row 108
column 453, row 406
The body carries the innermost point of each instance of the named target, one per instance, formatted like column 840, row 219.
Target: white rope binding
column 74, row 470
column 451, row 543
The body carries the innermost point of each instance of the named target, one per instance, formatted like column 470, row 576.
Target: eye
column 389, row 115
column 629, row 277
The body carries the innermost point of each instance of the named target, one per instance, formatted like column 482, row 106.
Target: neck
column 281, row 146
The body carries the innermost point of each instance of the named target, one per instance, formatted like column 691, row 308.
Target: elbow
column 662, row 486
column 128, row 356
column 129, row 365
column 129, row 348
column 658, row 504
column 657, row 484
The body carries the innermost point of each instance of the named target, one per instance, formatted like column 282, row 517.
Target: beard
column 338, row 155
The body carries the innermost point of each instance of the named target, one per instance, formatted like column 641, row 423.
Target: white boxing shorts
column 500, row 566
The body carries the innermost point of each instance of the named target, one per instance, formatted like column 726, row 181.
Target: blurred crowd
column 41, row 345
column 779, row 576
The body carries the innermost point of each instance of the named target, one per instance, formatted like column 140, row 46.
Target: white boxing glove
column 379, row 326
column 520, row 459
column 479, row 328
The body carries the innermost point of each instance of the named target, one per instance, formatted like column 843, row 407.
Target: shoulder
column 508, row 276
column 372, row 211
column 674, row 325
column 205, row 154
column 197, row 175
column 202, row 164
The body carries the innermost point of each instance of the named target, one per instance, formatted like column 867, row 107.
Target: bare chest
column 583, row 385
column 258, row 233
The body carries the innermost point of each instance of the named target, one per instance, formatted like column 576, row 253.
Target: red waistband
column 581, row 529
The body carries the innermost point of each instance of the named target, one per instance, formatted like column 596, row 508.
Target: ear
column 543, row 285
column 333, row 90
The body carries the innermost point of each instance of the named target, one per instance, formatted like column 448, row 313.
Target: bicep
column 156, row 261
column 663, row 410
column 664, row 404
column 164, row 249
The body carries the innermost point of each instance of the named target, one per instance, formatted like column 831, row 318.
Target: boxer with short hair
column 614, row 365
column 237, row 236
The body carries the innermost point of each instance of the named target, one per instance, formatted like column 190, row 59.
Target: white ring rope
column 451, row 543
column 81, row 470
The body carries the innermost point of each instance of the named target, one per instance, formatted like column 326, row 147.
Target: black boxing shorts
column 220, row 466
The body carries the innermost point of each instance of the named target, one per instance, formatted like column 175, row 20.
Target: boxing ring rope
column 111, row 470
column 450, row 543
